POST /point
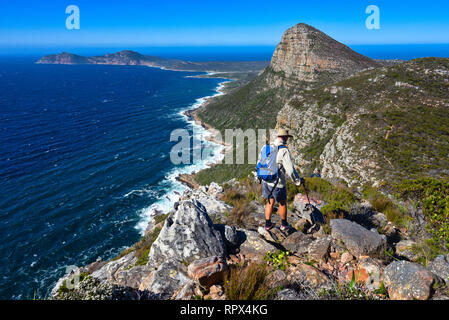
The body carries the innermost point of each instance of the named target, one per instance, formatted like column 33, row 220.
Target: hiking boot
column 285, row 228
column 269, row 226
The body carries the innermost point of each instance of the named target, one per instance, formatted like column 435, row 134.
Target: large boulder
column 297, row 242
column 188, row 235
column 408, row 281
column 358, row 240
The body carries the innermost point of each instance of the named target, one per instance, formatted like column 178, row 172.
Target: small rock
column 368, row 272
column 407, row 281
column 214, row 188
column 379, row 219
column 335, row 255
column 300, row 202
column 301, row 225
column 216, row 292
column 403, row 249
column 266, row 234
column 277, row 278
column 186, row 292
column 346, row 257
column 208, row 271
column 287, row 294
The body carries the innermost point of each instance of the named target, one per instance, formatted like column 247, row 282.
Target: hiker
column 276, row 191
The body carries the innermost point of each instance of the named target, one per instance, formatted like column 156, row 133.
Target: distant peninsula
column 128, row 57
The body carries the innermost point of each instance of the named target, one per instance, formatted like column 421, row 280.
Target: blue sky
column 41, row 23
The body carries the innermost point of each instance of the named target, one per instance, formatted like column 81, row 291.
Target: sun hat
column 284, row 133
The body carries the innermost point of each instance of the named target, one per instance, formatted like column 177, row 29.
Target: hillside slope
column 378, row 126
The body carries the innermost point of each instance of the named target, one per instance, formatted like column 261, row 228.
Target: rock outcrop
column 307, row 54
column 187, row 235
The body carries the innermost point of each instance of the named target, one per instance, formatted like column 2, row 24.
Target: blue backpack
column 267, row 168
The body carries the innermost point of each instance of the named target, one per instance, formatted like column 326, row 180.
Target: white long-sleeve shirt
column 284, row 162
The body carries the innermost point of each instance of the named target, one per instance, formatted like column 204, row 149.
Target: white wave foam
column 164, row 203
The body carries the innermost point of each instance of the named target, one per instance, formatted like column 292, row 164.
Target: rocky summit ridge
column 307, row 54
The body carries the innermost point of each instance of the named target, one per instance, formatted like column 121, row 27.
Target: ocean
column 84, row 155
column 84, row 162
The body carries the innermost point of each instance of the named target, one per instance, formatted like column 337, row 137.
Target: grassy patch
column 381, row 203
column 248, row 282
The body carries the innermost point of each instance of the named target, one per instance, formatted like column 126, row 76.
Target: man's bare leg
column 283, row 210
column 269, row 209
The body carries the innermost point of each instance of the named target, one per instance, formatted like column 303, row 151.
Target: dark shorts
column 279, row 194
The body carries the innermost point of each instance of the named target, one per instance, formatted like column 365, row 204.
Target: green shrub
column 432, row 195
column 278, row 259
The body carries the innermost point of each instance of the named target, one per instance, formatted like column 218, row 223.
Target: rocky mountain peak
column 307, row 54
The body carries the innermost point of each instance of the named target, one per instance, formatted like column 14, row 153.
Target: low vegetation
column 248, row 282
column 279, row 259
column 432, row 196
column 381, row 203
column 240, row 196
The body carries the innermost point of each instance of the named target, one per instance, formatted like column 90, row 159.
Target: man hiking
column 276, row 190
